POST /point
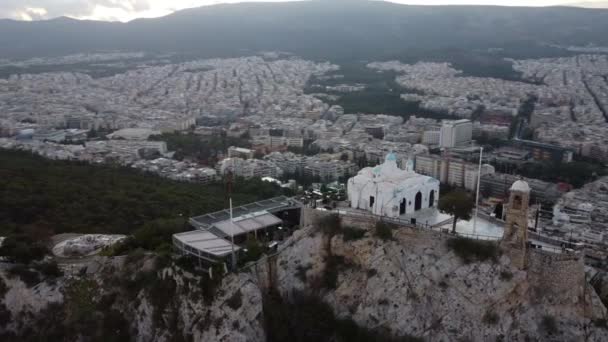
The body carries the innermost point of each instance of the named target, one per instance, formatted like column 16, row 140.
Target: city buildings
column 451, row 171
column 497, row 185
column 249, row 168
column 455, row 133
column 545, row 152
column 239, row 152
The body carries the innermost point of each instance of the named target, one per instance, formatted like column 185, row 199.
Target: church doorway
column 432, row 199
column 418, row 202
column 402, row 206
column 371, row 202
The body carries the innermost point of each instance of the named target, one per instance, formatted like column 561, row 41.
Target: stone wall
column 557, row 275
column 363, row 222
column 310, row 216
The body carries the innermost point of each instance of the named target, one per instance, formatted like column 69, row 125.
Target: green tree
column 22, row 249
column 458, row 204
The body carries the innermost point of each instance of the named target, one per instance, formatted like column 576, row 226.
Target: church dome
column 391, row 157
column 520, row 186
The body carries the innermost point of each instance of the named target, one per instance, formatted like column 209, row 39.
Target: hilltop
column 330, row 284
column 314, row 29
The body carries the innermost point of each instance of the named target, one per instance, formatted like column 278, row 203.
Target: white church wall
column 389, row 186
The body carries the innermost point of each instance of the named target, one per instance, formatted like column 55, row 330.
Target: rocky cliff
column 412, row 285
column 122, row 299
column 415, row 285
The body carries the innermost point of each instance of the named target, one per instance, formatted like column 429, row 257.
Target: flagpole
column 232, row 237
column 477, row 195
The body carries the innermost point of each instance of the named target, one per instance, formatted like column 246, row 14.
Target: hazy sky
column 125, row 10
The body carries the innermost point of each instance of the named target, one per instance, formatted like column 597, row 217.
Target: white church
column 387, row 190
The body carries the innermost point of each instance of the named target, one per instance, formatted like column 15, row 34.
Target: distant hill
column 314, row 29
column 589, row 4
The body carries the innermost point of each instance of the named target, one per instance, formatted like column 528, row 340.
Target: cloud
column 32, row 13
column 125, row 10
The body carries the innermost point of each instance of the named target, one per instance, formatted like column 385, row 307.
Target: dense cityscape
column 285, row 134
column 270, row 196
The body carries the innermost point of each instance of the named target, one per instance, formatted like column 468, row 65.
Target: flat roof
column 269, row 205
column 207, row 242
column 241, row 149
column 247, row 223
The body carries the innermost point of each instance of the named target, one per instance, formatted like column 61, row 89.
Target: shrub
column 186, row 262
column 384, row 230
column 160, row 293
column 80, row 300
column 5, row 316
column 330, row 224
column 27, row 275
column 352, row 233
column 134, row 256
column 49, row 269
column 600, row 323
column 156, row 233
column 115, row 327
column 549, row 324
column 442, row 284
column 301, row 272
column 22, row 249
column 307, row 318
column 254, row 251
column 506, row 275
column 470, row 250
column 122, row 247
column 333, row 264
column 235, row 301
column 491, row 317
column 209, row 285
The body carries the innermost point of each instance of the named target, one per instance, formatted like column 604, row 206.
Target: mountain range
column 314, row 29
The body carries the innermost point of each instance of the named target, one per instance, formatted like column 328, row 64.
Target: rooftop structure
column 245, row 224
column 203, row 244
column 217, row 236
column 133, row 134
column 271, row 205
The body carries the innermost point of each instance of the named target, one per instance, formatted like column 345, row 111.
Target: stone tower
column 515, row 238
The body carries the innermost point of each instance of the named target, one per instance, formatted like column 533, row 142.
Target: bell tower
column 515, row 239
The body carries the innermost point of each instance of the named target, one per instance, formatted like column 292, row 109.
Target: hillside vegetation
column 42, row 197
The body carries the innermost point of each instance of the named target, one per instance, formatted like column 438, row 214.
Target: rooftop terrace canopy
column 270, row 205
column 247, row 223
column 205, row 241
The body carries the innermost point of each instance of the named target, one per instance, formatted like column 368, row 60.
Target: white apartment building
column 456, row 173
column 328, row 170
column 456, row 133
column 288, row 162
column 471, row 172
column 429, row 165
column 431, row 137
column 294, row 141
column 239, row 152
column 249, row 168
